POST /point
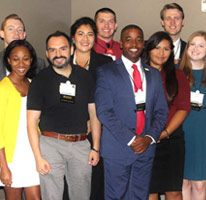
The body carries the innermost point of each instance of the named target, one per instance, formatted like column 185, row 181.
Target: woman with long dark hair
column 17, row 163
column 167, row 173
column 83, row 34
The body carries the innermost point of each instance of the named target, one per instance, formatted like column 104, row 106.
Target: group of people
column 106, row 119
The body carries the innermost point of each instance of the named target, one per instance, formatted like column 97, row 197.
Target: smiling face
column 197, row 49
column 58, row 51
column 172, row 22
column 132, row 44
column 84, row 38
column 20, row 61
column 160, row 54
column 13, row 30
column 106, row 26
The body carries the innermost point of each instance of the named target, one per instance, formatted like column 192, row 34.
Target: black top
column 58, row 116
column 96, row 60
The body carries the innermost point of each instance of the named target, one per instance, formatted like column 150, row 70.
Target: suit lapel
column 125, row 76
column 148, row 84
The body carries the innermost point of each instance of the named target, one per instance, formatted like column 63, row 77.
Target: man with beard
column 61, row 97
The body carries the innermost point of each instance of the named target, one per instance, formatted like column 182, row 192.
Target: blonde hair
column 186, row 65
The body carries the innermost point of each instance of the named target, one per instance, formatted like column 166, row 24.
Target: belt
column 65, row 137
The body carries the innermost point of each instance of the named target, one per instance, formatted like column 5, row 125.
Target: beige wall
column 41, row 17
column 145, row 13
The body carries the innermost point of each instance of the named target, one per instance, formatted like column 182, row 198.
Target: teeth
column 133, row 50
column 21, row 69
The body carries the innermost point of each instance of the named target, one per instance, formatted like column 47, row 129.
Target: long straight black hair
column 168, row 67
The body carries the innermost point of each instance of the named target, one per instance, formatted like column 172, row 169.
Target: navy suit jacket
column 182, row 48
column 116, row 109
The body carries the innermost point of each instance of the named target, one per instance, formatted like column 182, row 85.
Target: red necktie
column 140, row 114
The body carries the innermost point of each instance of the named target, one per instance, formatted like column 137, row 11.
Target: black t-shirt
column 58, row 116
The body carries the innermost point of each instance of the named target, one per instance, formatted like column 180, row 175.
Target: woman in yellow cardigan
column 17, row 164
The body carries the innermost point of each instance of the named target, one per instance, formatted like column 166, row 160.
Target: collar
column 128, row 65
column 176, row 42
column 102, row 42
column 86, row 64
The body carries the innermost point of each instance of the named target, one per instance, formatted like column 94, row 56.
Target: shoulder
column 111, row 65
column 40, row 62
column 100, row 57
column 179, row 73
column 1, row 54
column 150, row 69
column 183, row 42
column 5, row 82
column 181, row 77
column 116, row 43
column 6, row 86
column 1, row 59
column 43, row 74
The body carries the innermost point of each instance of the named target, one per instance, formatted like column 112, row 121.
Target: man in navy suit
column 127, row 150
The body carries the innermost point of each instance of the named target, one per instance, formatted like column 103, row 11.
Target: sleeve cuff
column 130, row 142
column 153, row 140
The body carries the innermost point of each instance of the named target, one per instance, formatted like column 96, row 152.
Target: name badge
column 139, row 97
column 140, row 107
column 67, row 92
column 196, row 99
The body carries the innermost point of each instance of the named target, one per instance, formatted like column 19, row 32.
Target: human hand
column 163, row 135
column 93, row 158
column 140, row 144
column 6, row 176
column 43, row 166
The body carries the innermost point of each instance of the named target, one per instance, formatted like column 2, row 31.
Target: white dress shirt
column 177, row 47
column 140, row 95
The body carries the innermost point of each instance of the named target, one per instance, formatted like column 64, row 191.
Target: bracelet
column 168, row 136
column 93, row 149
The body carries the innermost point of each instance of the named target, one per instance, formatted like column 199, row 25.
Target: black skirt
column 167, row 172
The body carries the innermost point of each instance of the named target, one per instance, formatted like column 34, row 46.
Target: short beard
column 51, row 62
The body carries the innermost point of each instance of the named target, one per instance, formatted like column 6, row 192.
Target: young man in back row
column 172, row 20
column 106, row 22
column 13, row 28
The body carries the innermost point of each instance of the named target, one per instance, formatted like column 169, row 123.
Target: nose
column 21, row 63
column 16, row 32
column 172, row 21
column 106, row 24
column 58, row 53
column 195, row 47
column 134, row 43
column 161, row 52
column 85, row 37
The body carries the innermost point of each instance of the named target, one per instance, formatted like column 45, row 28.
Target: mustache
column 56, row 57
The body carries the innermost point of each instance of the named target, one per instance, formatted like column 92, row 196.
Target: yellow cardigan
column 10, row 107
